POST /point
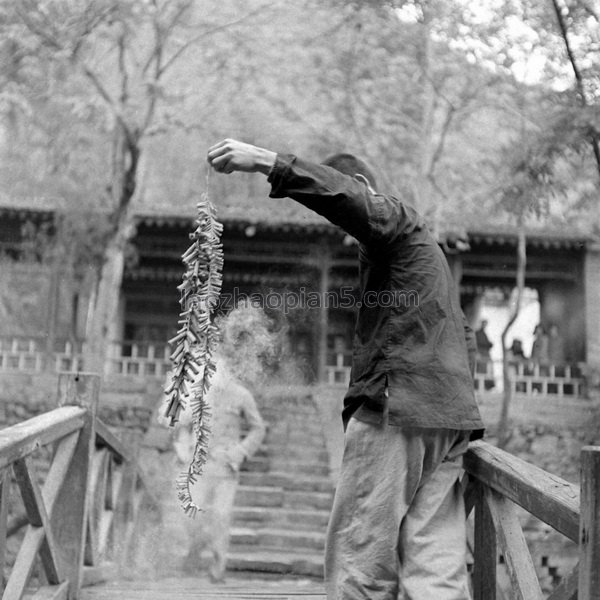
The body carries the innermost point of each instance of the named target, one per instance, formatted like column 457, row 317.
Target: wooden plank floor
column 189, row 588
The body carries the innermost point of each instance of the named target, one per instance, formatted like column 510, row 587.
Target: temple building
column 302, row 269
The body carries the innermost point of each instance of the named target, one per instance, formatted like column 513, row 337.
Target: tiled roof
column 285, row 215
column 546, row 236
column 30, row 203
column 258, row 209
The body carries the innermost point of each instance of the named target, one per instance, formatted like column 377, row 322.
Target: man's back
column 410, row 353
column 411, row 340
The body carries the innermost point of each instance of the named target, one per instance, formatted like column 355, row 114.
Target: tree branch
column 160, row 31
column 578, row 76
column 123, row 69
column 156, row 56
column 169, row 62
column 441, row 143
column 565, row 36
column 90, row 23
column 131, row 138
column 590, row 10
column 38, row 30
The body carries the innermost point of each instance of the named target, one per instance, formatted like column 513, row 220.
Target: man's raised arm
column 344, row 200
column 231, row 155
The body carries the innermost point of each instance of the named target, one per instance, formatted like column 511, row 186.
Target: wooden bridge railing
column 79, row 522
column 498, row 482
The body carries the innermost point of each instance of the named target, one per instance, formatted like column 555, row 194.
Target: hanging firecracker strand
column 193, row 347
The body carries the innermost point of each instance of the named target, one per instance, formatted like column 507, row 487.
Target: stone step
column 264, row 496
column 275, row 432
column 263, row 479
column 307, row 452
column 263, row 464
column 277, row 424
column 280, row 407
column 257, row 464
column 268, row 537
column 268, row 496
column 299, row 519
column 281, row 463
column 283, row 439
column 275, row 561
column 296, row 437
column 299, row 482
column 307, row 500
column 306, row 447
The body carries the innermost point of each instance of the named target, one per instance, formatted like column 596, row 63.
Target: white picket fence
column 151, row 359
column 30, row 354
column 529, row 378
column 20, row 354
column 148, row 359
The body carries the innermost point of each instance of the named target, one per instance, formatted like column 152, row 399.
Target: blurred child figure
column 237, row 430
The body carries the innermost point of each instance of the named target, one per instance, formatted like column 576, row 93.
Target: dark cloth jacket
column 410, row 354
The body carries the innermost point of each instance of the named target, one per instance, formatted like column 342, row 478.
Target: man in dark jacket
column 397, row 524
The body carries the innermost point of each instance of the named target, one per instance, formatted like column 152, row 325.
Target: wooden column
column 456, row 268
column 4, row 483
column 485, row 553
column 324, row 262
column 53, row 300
column 592, row 306
column 69, row 519
column 589, row 525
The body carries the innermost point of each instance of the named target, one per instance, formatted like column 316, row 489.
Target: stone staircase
column 285, row 495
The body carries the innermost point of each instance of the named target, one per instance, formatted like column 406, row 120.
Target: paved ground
column 186, row 588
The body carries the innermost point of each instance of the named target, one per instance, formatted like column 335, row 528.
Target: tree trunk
column 503, row 433
column 424, row 188
column 108, row 289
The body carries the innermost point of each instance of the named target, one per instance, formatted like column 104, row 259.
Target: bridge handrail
column 22, row 439
column 93, row 488
column 105, row 437
column 497, row 483
column 542, row 494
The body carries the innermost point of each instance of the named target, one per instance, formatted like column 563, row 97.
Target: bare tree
column 120, row 56
column 503, row 422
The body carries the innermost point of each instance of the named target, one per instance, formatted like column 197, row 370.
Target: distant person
column 484, row 345
column 556, row 346
column 539, row 348
column 516, row 352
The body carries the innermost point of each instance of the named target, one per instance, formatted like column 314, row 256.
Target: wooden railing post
column 485, row 553
column 589, row 525
column 69, row 519
column 4, row 482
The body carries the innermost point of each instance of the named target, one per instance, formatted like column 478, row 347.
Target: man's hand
column 230, row 155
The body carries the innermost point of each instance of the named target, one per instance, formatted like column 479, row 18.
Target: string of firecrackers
column 192, row 358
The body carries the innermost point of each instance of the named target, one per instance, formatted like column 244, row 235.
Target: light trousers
column 214, row 493
column 397, row 530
